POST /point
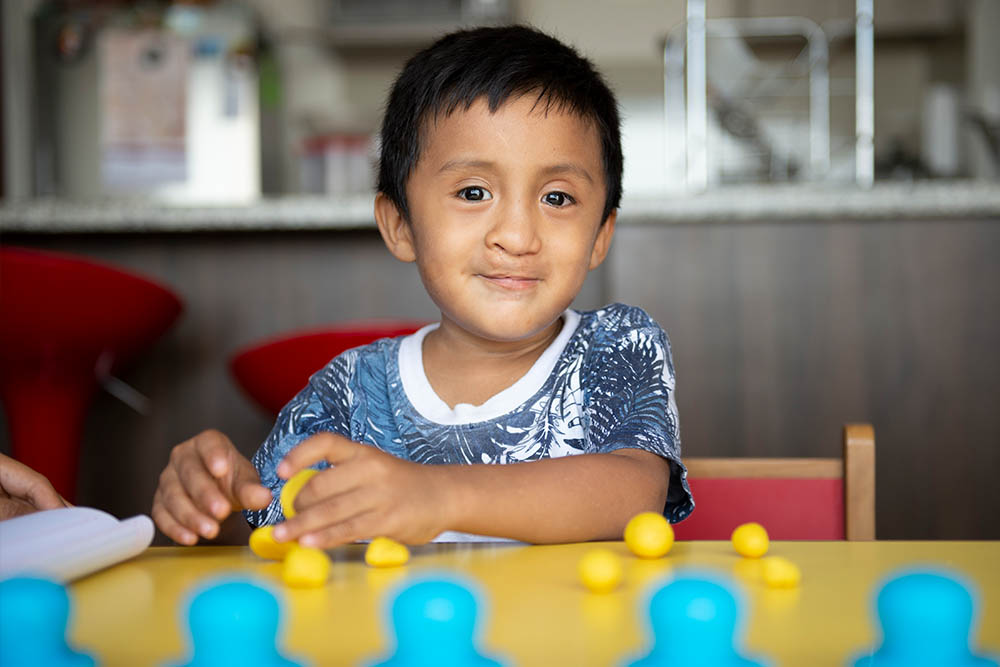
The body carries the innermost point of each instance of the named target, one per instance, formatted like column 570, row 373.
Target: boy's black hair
column 495, row 64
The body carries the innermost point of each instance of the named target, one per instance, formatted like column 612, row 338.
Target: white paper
column 67, row 543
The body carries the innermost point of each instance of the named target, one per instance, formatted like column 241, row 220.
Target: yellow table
column 536, row 611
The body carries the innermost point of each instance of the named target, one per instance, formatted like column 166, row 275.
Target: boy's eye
column 474, row 193
column 557, row 199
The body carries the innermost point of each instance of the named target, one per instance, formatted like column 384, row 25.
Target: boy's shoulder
column 369, row 359
column 616, row 321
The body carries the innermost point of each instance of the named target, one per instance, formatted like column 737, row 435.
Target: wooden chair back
column 794, row 499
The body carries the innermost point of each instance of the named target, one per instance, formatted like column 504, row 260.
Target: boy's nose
column 515, row 230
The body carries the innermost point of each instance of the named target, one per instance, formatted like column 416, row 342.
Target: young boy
column 500, row 177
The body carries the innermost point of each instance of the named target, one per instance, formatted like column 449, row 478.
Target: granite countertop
column 733, row 204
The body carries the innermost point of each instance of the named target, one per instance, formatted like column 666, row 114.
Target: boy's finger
column 169, row 526
column 328, row 447
column 251, row 494
column 329, row 511
column 215, row 450
column 174, row 498
column 248, row 492
column 360, row 527
column 331, row 482
column 201, row 487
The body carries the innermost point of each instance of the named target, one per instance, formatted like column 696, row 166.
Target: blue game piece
column 693, row 621
column 926, row 620
column 435, row 624
column 234, row 623
column 33, row 616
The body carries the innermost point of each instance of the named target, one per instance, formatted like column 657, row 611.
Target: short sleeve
column 629, row 389
column 322, row 406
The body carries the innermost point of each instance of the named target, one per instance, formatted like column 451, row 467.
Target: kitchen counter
column 785, row 203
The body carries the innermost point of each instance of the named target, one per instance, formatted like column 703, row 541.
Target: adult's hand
column 23, row 491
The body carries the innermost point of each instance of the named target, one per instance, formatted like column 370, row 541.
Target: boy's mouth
column 510, row 282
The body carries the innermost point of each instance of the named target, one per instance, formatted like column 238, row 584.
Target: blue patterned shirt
column 605, row 383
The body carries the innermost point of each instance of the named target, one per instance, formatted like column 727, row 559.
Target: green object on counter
column 270, row 82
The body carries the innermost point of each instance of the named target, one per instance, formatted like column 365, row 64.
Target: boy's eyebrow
column 568, row 167
column 458, row 164
column 454, row 165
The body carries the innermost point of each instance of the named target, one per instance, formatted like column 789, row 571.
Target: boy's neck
column 463, row 368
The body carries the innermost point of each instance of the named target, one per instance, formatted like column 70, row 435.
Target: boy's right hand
column 205, row 481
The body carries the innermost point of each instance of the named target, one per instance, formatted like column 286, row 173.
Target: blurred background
column 812, row 210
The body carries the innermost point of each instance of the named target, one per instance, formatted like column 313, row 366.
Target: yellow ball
column 649, row 535
column 386, row 552
column 780, row 572
column 600, row 570
column 305, row 567
column 263, row 544
column 750, row 540
column 292, row 488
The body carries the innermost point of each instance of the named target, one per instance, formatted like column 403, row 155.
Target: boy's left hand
column 364, row 494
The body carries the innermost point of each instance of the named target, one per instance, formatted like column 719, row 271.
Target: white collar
column 430, row 406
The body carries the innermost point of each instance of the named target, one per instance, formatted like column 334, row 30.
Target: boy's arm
column 568, row 499
column 367, row 493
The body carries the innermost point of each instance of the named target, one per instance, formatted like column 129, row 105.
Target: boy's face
column 505, row 215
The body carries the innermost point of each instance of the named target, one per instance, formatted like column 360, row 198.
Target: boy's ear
column 603, row 241
column 394, row 228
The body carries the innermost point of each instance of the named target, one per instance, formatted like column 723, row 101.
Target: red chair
column 65, row 320
column 274, row 371
column 794, row 499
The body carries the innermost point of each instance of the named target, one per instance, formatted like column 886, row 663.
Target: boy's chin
column 501, row 329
